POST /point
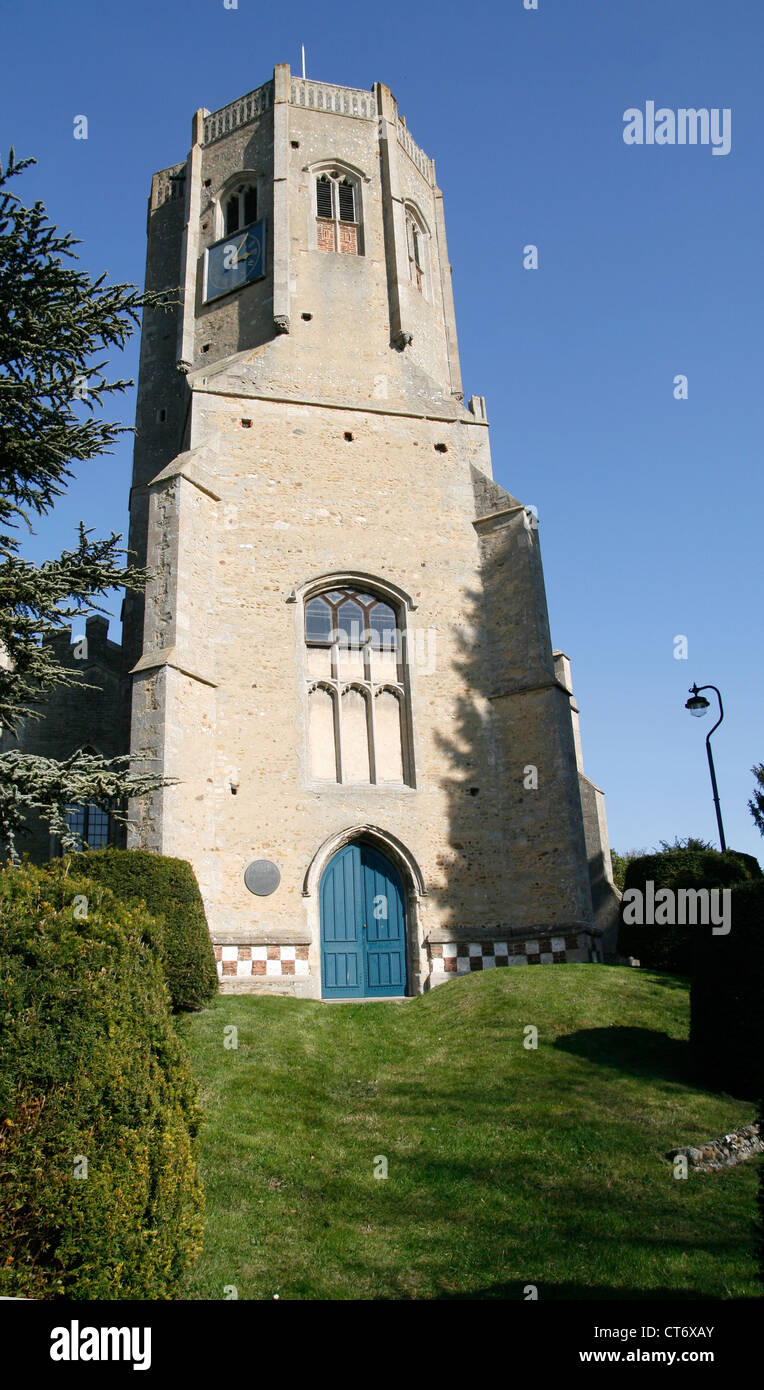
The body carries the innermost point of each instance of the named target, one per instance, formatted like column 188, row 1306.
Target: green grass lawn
column 506, row 1166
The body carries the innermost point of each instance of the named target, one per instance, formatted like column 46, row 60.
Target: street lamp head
column 698, row 704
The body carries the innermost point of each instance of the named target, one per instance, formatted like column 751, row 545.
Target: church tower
column 342, row 663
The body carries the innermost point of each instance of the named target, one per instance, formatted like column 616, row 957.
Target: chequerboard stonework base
column 449, row 959
column 261, row 968
column 288, row 970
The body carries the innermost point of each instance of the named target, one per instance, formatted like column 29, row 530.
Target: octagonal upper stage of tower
column 342, row 287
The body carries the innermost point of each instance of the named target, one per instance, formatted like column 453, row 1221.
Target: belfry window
column 356, row 689
column 239, row 208
column 238, row 256
column 337, row 213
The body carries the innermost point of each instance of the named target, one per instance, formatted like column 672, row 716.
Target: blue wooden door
column 363, row 926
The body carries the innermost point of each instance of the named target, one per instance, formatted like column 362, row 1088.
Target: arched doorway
column 363, row 926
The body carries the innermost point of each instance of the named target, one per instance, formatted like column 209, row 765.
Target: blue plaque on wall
column 235, row 261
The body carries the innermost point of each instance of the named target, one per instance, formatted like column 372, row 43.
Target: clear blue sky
column 650, row 265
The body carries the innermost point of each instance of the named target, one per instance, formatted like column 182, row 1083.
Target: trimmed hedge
column 91, row 1069
column 759, row 1227
column 171, row 894
column 666, row 947
column 726, row 994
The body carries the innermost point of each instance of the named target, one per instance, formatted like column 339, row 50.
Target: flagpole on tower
column 303, row 59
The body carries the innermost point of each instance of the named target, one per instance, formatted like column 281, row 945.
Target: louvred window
column 324, row 197
column 347, row 202
column 337, row 214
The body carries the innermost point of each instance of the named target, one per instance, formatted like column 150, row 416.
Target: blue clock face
column 236, row 260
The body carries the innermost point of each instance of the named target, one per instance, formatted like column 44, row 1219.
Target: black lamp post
column 698, row 706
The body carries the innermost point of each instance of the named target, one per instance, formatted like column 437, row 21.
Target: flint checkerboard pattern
column 245, row 962
column 268, row 964
column 460, row 958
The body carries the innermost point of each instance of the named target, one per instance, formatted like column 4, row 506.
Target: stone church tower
column 343, row 657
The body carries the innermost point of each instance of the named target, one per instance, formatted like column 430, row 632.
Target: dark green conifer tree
column 57, row 325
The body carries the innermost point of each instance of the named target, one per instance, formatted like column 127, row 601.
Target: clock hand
column 239, row 256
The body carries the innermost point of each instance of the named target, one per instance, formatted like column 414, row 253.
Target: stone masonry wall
column 323, row 434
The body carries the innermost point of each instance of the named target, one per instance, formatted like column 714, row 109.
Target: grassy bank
column 506, row 1166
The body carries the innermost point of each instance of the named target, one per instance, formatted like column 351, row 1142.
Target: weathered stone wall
column 162, row 401
column 493, row 855
column 606, row 899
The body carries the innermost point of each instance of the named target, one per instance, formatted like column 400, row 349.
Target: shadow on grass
column 549, row 1293
column 667, row 980
column 639, row 1051
column 642, row 1052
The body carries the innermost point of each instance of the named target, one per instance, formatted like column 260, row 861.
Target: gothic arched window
column 338, row 212
column 356, row 689
column 415, row 246
column 236, row 255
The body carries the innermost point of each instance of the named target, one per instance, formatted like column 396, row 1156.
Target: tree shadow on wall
column 466, row 750
column 494, row 855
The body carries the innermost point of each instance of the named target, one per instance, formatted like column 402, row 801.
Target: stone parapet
column 237, row 113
